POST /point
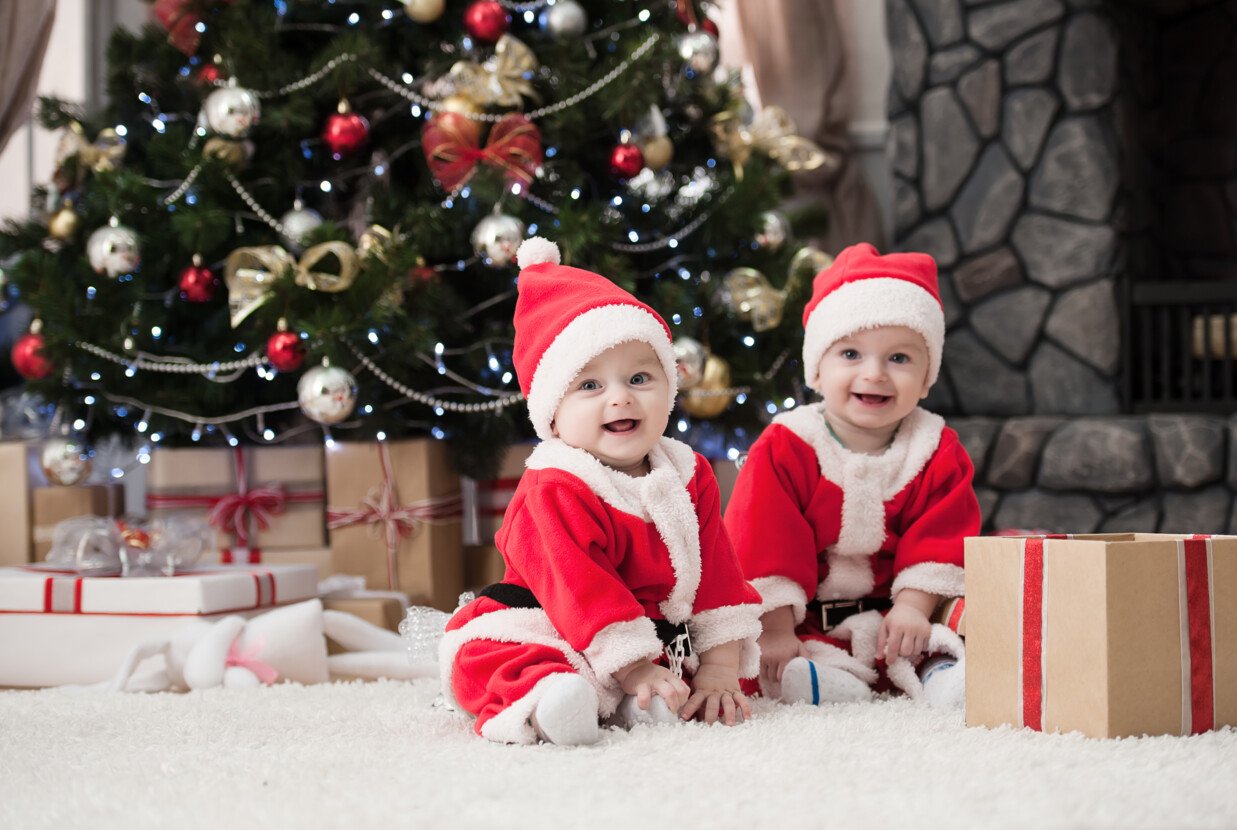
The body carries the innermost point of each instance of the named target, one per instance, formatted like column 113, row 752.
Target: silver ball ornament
column 699, row 51
column 298, row 223
column 564, row 19
column 327, row 394
column 497, row 237
column 65, row 460
column 774, row 230
column 114, row 249
column 689, row 359
column 232, row 111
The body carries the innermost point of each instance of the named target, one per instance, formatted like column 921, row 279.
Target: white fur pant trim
column 521, row 625
column 511, row 725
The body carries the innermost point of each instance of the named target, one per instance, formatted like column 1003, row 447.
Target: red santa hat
column 565, row 317
column 863, row 290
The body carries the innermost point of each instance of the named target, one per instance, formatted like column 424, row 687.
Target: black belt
column 833, row 611
column 517, row 596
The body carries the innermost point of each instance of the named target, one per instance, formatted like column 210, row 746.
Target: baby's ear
column 554, row 428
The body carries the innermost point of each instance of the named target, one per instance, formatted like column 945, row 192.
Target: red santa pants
column 489, row 675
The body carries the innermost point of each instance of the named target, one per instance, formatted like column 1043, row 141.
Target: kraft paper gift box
column 258, row 498
column 1109, row 635
column 60, row 627
column 394, row 518
column 485, row 502
column 15, row 512
column 53, row 505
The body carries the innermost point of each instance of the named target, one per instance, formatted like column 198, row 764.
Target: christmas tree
column 300, row 216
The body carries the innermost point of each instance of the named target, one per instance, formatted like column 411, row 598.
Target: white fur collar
column 867, row 482
column 660, row 497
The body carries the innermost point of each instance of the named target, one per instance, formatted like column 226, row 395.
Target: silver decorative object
column 564, row 19
column 774, row 230
column 689, row 358
column 232, row 111
column 298, row 223
column 497, row 237
column 327, row 394
column 65, row 460
column 113, row 249
column 699, row 51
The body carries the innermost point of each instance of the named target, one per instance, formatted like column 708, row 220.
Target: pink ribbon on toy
column 398, row 521
column 248, row 659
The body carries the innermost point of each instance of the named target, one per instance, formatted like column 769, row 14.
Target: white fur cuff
column 933, row 578
column 777, row 591
column 719, row 626
column 622, row 643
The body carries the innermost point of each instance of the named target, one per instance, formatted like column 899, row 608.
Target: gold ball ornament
column 658, row 151
column 708, row 399
column 231, row 152
column 460, row 104
column 424, row 11
column 63, row 223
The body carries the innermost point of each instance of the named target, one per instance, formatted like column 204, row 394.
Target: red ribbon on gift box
column 383, row 512
column 62, row 593
column 232, row 512
column 1194, row 557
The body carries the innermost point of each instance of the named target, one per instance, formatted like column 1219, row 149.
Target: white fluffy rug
column 381, row 755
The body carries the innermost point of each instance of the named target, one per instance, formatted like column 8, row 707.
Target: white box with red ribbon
column 61, row 627
column 1110, row 635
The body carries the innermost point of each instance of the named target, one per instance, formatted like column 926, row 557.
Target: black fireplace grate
column 1180, row 346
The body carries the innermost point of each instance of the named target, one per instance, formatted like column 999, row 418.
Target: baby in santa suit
column 849, row 515
column 622, row 596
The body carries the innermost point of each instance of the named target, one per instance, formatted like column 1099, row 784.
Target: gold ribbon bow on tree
column 103, row 154
column 249, row 273
column 503, row 80
column 771, row 132
column 748, row 294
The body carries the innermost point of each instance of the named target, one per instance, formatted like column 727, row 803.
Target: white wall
column 73, row 70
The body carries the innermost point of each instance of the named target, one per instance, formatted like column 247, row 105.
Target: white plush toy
column 285, row 644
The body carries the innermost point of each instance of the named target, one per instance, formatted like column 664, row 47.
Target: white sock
column 566, row 714
column 812, row 683
column 629, row 713
column 944, row 682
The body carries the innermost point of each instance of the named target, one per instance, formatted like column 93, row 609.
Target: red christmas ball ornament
column 703, row 21
column 486, row 20
column 197, row 282
column 345, row 131
column 420, row 274
column 209, row 74
column 284, row 351
column 28, row 357
column 626, row 160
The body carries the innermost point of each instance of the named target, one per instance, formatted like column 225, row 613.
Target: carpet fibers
column 382, row 755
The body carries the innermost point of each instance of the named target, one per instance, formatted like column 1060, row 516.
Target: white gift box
column 58, row 627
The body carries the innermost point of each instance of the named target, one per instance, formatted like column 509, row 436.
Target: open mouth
column 873, row 400
column 623, row 426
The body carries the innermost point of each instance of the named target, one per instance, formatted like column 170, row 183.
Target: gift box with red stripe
column 1110, row 635
column 62, row 627
column 257, row 498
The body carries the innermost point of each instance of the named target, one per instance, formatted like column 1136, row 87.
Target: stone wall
column 1158, row 473
column 1030, row 148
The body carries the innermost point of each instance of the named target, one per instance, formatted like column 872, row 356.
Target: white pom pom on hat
column 537, row 250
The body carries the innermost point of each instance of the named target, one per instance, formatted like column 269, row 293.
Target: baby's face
column 873, row 379
column 617, row 407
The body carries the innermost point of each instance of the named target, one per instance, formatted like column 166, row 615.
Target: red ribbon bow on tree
column 452, row 145
column 181, row 18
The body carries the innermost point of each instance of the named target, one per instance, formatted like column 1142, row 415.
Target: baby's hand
column 777, row 648
column 904, row 631
column 716, row 688
column 644, row 678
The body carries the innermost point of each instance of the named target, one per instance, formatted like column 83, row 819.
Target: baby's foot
column 629, row 713
column 944, row 682
column 566, row 714
column 811, row 683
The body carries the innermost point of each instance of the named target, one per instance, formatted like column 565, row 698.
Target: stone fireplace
column 1072, row 165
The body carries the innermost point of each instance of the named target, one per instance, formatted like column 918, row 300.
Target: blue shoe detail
column 815, row 683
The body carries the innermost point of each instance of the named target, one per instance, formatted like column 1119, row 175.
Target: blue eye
column 640, row 378
column 850, row 354
column 900, row 358
column 589, row 385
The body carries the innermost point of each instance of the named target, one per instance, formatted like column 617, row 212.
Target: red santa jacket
column 809, row 518
column 606, row 553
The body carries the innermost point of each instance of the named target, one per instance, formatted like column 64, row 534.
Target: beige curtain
column 795, row 56
column 25, row 27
